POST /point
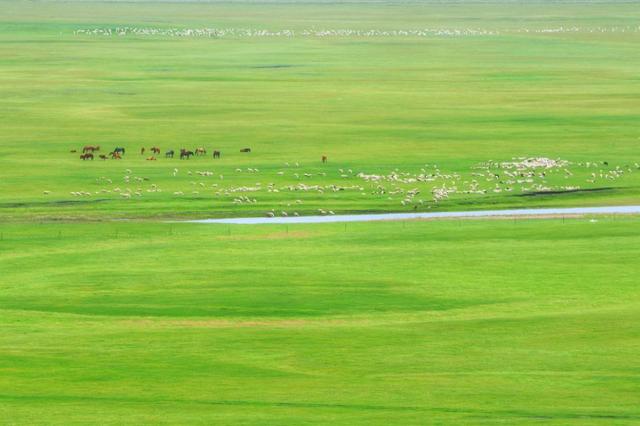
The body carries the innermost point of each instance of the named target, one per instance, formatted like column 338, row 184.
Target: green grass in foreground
column 386, row 323
column 371, row 104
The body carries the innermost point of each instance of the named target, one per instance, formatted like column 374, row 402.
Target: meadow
column 114, row 312
column 526, row 322
column 371, row 104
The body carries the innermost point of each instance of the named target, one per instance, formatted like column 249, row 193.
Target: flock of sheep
column 420, row 189
column 251, row 32
column 338, row 33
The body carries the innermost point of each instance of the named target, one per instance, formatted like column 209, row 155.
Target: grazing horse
column 90, row 148
column 102, row 157
column 185, row 154
column 169, row 154
column 87, row 156
column 216, row 154
column 201, row 151
column 119, row 150
column 245, row 150
column 142, row 151
column 155, row 150
column 324, row 159
column 115, row 155
column 73, row 151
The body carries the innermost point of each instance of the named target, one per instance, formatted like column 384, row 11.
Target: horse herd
column 118, row 152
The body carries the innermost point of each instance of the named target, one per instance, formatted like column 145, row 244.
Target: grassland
column 372, row 104
column 444, row 322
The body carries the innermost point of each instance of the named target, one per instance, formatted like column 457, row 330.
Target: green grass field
column 371, row 104
column 444, row 322
column 145, row 321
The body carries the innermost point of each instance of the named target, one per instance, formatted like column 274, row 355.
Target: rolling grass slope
column 444, row 322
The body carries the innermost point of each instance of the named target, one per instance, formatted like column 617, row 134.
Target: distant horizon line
column 335, row 2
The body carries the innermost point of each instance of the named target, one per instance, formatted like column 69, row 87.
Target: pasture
column 532, row 80
column 112, row 313
column 445, row 322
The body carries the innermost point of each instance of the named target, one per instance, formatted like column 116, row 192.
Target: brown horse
column 115, row 155
column 90, row 148
column 73, row 151
column 155, row 150
column 201, row 151
column 216, row 154
column 102, row 156
column 185, row 154
column 152, row 158
column 245, row 150
column 324, row 159
column 142, row 151
column 87, row 156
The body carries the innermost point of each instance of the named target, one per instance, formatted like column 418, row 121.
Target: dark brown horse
column 87, row 156
column 91, row 148
column 324, row 159
column 245, row 150
column 185, row 154
column 155, row 150
column 216, row 154
column 142, row 151
column 102, row 156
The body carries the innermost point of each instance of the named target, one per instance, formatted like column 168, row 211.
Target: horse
column 90, row 148
column 201, row 151
column 324, row 159
column 245, row 150
column 169, row 154
column 115, row 155
column 216, row 154
column 73, row 151
column 142, row 151
column 119, row 150
column 185, row 154
column 155, row 150
column 102, row 157
column 152, row 158
column 87, row 156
